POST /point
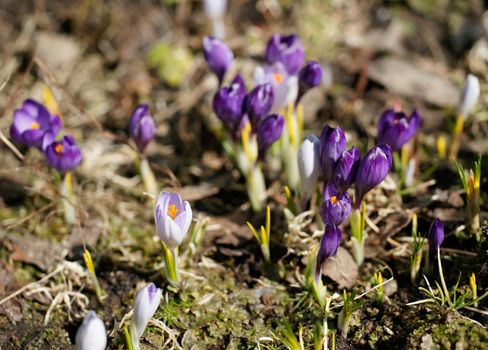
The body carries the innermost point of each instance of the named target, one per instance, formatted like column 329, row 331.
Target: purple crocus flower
column 173, row 218
column 142, row 127
column 309, row 77
column 328, row 247
column 63, row 155
column 31, row 122
column 228, row 103
column 269, row 131
column 346, row 168
column 218, row 56
column 335, row 207
column 332, row 145
column 373, row 169
column 258, row 103
column 395, row 129
column 436, row 236
column 286, row 49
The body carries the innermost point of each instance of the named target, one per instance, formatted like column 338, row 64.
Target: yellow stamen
column 35, row 125
column 58, row 149
column 173, row 211
column 278, row 78
column 333, row 199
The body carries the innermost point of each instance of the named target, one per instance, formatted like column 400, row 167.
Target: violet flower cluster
column 279, row 84
column 235, row 106
column 34, row 126
column 340, row 169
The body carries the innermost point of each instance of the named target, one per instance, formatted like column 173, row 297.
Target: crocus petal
column 332, row 145
column 328, row 247
column 269, row 131
column 335, row 207
column 346, row 169
column 436, row 236
column 218, row 56
column 372, row 170
column 258, row 103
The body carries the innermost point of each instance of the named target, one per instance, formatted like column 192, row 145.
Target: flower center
column 35, row 125
column 58, row 149
column 333, row 199
column 278, row 78
column 173, row 211
column 396, row 121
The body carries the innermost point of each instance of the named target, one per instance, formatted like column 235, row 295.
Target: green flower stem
column 148, row 177
column 171, row 264
column 68, row 199
column 256, row 188
column 358, row 236
column 441, row 275
column 128, row 339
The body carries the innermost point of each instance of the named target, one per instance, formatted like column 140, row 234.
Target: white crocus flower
column 308, row 166
column 147, row 302
column 92, row 334
column 469, row 95
column 173, row 218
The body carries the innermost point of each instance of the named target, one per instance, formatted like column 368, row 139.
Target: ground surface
column 98, row 58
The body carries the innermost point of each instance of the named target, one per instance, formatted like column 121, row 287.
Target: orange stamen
column 173, row 211
column 333, row 199
column 58, row 149
column 278, row 78
column 35, row 125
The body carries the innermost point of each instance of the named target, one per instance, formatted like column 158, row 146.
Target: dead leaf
column 342, row 269
column 33, row 250
column 406, row 78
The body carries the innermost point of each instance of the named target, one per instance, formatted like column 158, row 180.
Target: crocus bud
column 258, row 103
column 395, row 129
column 346, row 169
column 269, row 131
column 332, row 145
column 142, row 127
column 308, row 166
column 147, row 302
column 309, row 77
column 335, row 207
column 286, row 49
column 469, row 95
column 63, row 155
column 92, row 334
column 173, row 218
column 215, row 9
column 436, row 236
column 31, row 122
column 373, row 169
column 217, row 55
column 228, row 103
column 328, row 247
